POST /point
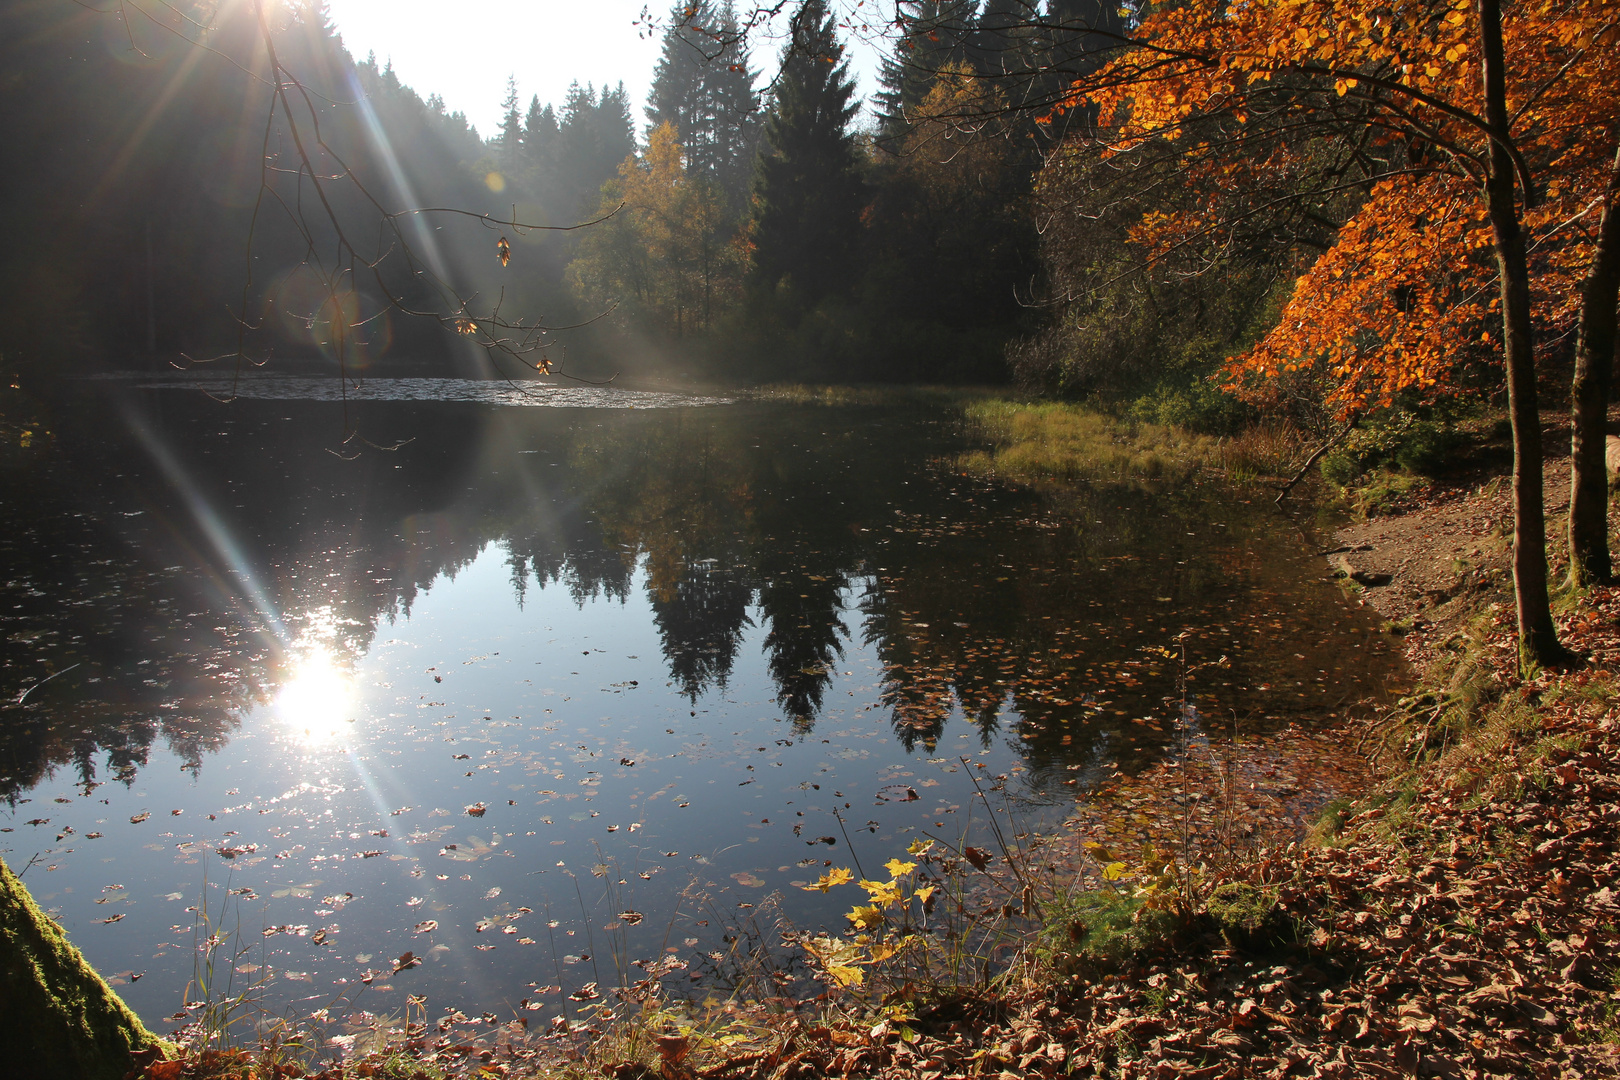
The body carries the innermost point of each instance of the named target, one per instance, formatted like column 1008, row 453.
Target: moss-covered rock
column 57, row 1016
column 1246, row 915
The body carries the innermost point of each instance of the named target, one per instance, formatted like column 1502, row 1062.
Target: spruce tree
column 594, row 135
column 704, row 88
column 934, row 34
column 677, row 89
column 996, row 46
column 733, row 108
column 806, row 187
column 539, row 144
column 616, row 132
column 510, row 141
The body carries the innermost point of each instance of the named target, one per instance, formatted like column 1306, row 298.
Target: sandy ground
column 1427, row 567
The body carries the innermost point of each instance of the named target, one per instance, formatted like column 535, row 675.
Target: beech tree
column 1494, row 119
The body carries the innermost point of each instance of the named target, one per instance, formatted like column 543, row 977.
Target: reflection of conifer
column 701, row 627
column 804, row 643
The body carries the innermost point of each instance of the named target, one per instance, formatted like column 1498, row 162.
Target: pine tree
column 806, row 188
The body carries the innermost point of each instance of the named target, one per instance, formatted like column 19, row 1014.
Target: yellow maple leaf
column 865, row 918
column 845, row 975
column 883, row 892
column 836, row 876
column 896, row 868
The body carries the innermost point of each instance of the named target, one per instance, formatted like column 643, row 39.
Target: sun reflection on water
column 317, row 703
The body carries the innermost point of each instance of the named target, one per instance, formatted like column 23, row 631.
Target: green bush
column 1395, row 439
column 1426, row 447
column 1340, row 467
column 1199, row 406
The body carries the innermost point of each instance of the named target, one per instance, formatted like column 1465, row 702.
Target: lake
column 571, row 682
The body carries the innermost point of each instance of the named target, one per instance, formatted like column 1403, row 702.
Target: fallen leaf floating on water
column 631, row 918
column 427, row 927
column 476, row 810
column 408, row 960
column 587, row 992
column 40, row 821
column 140, row 817
column 979, row 857
column 114, row 918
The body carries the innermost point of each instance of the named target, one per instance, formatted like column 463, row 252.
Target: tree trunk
column 1594, row 364
column 1538, row 640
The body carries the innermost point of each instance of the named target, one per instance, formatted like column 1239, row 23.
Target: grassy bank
column 1035, row 441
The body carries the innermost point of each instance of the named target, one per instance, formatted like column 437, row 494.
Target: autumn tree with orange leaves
column 1489, row 227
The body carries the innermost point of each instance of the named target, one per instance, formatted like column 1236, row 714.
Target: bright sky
column 464, row 51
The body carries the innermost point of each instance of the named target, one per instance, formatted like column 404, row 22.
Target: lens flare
column 317, row 704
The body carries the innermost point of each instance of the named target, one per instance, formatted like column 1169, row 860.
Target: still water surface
column 672, row 653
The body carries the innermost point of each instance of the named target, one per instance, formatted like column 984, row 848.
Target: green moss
column 56, row 1013
column 1102, row 930
column 1243, row 912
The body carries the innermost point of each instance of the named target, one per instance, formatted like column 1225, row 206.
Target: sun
column 317, row 702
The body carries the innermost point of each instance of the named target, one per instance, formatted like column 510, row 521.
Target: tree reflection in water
column 817, row 524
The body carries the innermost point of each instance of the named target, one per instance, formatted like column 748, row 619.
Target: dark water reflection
column 742, row 601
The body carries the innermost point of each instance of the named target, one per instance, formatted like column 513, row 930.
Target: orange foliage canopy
column 1407, row 291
